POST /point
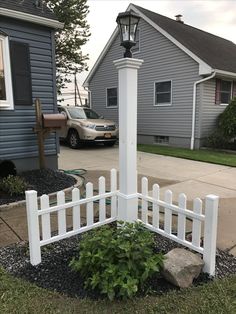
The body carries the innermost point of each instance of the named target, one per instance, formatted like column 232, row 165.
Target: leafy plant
column 227, row 120
column 13, row 185
column 217, row 140
column 117, row 261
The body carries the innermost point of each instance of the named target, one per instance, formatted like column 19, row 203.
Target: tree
column 70, row 39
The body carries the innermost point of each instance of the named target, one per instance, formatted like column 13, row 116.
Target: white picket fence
column 151, row 208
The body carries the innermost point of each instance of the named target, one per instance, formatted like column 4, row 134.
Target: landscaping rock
column 181, row 267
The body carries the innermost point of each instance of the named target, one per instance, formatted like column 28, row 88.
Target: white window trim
column 137, row 51
column 154, row 94
column 112, row 107
column 8, row 103
column 231, row 92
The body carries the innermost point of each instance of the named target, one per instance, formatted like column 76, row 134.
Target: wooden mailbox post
column 45, row 124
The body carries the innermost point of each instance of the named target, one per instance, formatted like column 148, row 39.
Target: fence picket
column 113, row 188
column 61, row 216
column 144, row 215
column 76, row 209
column 210, row 232
column 181, row 217
column 155, row 207
column 33, row 227
column 168, row 213
column 196, row 231
column 46, row 224
column 102, row 202
column 89, row 206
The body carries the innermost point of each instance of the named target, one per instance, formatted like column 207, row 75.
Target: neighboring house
column 174, row 106
column 27, row 71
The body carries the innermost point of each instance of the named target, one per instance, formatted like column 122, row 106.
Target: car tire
column 73, row 139
column 109, row 144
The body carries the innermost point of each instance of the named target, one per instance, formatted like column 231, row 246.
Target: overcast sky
column 215, row 16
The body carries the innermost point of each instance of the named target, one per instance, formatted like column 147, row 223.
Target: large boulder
column 181, row 267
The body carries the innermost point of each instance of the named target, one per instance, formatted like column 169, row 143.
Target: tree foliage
column 70, row 39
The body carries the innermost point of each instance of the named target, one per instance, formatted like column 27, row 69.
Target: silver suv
column 85, row 125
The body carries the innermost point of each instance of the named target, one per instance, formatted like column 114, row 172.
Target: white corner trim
column 8, row 103
column 31, row 18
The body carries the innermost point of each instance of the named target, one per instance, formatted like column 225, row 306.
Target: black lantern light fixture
column 128, row 24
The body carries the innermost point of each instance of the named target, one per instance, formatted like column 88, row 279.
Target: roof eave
column 31, row 18
column 204, row 68
column 225, row 73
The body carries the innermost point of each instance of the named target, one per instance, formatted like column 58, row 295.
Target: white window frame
column 112, row 107
column 137, row 51
column 154, row 94
column 8, row 103
column 231, row 92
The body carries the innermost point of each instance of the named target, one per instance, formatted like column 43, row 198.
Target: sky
column 215, row 16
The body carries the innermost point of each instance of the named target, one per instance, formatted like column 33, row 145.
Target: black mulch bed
column 44, row 181
column 54, row 273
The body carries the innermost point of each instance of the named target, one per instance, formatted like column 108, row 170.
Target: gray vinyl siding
column 210, row 111
column 162, row 61
column 17, row 139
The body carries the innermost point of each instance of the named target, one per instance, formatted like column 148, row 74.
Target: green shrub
column 217, row 140
column 13, row 185
column 117, row 261
column 227, row 120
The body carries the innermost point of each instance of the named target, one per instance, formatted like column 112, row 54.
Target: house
column 187, row 79
column 27, row 71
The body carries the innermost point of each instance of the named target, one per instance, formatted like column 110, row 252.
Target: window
column 162, row 93
column 225, row 90
column 159, row 139
column 136, row 48
column 112, row 97
column 6, row 98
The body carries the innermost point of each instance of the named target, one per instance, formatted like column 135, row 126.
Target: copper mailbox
column 54, row 120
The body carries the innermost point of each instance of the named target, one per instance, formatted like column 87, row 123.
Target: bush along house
column 27, row 72
column 187, row 79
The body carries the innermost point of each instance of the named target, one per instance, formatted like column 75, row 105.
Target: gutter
column 31, row 18
column 194, row 106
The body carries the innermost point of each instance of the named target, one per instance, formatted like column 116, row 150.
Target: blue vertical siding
column 17, row 139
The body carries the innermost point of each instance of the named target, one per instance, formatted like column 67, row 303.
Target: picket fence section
column 45, row 211
column 152, row 206
column 151, row 209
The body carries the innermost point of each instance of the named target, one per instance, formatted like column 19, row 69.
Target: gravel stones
column 54, row 272
column 45, row 181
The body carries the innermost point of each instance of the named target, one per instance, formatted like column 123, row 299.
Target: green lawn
column 17, row 296
column 212, row 156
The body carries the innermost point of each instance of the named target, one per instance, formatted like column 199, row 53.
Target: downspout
column 194, row 106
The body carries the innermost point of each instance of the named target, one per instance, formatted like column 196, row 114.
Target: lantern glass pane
column 125, row 32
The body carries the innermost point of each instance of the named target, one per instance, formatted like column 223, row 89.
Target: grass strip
column 210, row 156
column 19, row 296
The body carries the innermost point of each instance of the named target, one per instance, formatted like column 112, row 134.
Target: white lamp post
column 128, row 81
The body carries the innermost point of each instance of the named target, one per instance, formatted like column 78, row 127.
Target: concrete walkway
column 195, row 179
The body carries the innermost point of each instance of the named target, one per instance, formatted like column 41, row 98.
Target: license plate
column 107, row 135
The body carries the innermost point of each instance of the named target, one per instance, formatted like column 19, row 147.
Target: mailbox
column 54, row 120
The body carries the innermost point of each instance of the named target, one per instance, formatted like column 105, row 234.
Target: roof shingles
column 217, row 52
column 28, row 6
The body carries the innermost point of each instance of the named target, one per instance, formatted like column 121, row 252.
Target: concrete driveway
column 195, row 179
